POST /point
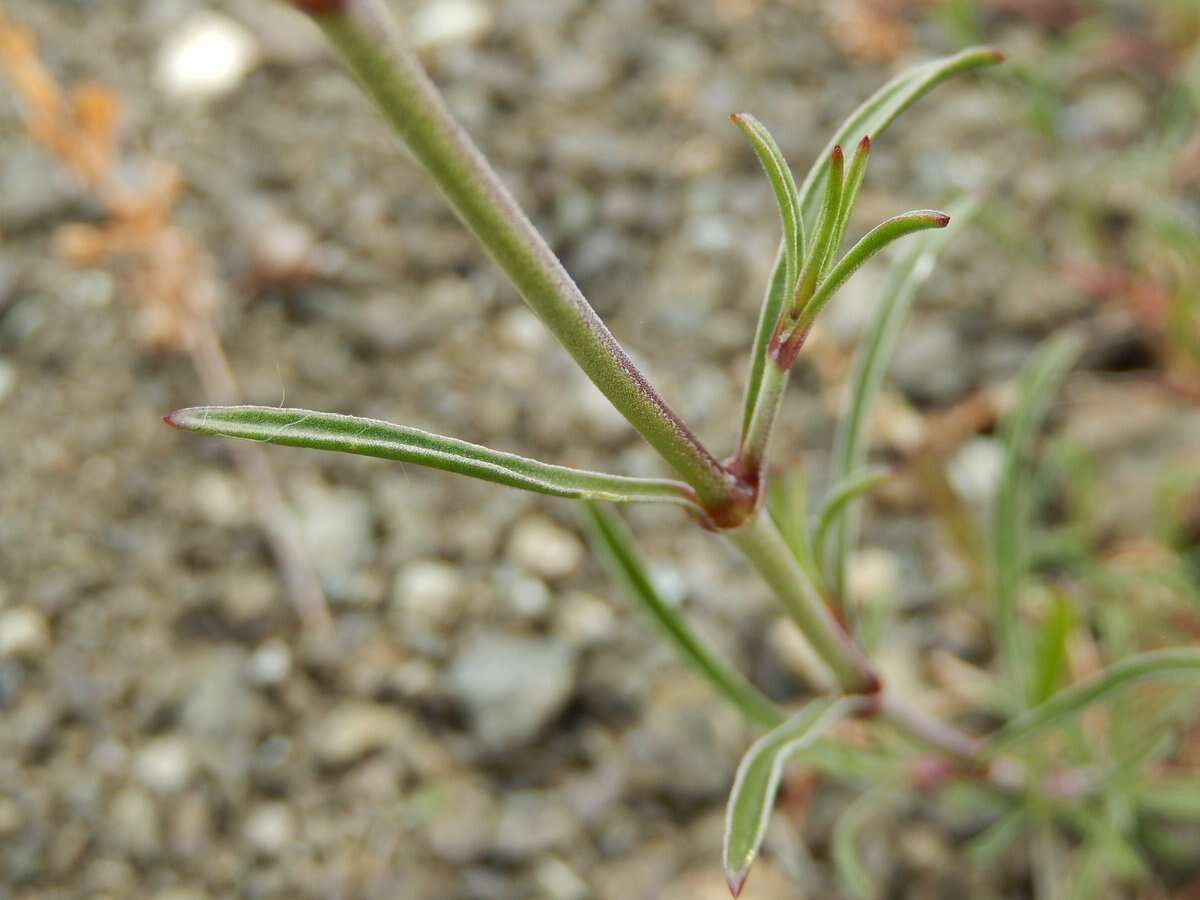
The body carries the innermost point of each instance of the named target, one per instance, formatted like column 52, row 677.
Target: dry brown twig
column 170, row 275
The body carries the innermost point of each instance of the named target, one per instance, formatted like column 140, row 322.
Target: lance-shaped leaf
column 759, row 774
column 1107, row 684
column 784, row 185
column 868, row 245
column 1037, row 386
column 843, row 493
column 871, row 118
column 612, row 538
column 850, row 188
column 371, row 437
column 826, row 228
column 871, row 362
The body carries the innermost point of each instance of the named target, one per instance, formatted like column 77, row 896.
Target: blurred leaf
column 989, row 845
column 758, row 776
column 1050, row 650
column 787, row 501
column 850, row 763
column 370, row 437
column 1070, row 702
column 1176, row 797
column 874, row 355
column 844, row 492
column 784, row 185
column 847, row 834
column 615, row 543
column 1037, row 386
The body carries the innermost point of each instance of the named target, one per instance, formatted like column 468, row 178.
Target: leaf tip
column 998, row 55
column 736, row 881
column 864, row 146
column 940, row 220
column 837, row 155
column 174, row 418
column 319, row 7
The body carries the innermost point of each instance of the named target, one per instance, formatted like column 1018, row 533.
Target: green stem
column 755, row 442
column 762, row 544
column 370, row 44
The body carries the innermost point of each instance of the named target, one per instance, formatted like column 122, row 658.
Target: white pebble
column 269, row 828
column 207, row 57
column 164, row 764
column 441, row 22
column 543, row 548
column 23, row 632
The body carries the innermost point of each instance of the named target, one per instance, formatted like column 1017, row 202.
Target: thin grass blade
column 847, row 838
column 612, row 539
column 854, row 179
column 1175, row 796
column 1070, row 702
column 784, row 185
column 1037, row 386
column 872, row 360
column 1050, row 651
column 841, row 495
column 758, row 776
column 371, row 437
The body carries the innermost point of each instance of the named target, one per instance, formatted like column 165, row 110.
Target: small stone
column 523, row 596
column 354, row 730
column 270, row 664
column 8, row 379
column 133, row 818
column 975, row 470
column 442, row 22
column 221, row 498
column 543, row 548
column 463, row 819
column 165, row 764
column 532, row 822
column 428, row 597
column 249, row 597
column 270, row 828
column 585, row 621
column 511, row 686
column 931, row 364
column 337, row 525
column 871, row 574
column 207, row 57
column 559, row 881
column 24, row 632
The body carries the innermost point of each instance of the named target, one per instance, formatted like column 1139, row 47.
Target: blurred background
column 286, row 674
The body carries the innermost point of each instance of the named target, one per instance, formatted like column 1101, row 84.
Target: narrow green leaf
column 823, row 234
column 868, row 245
column 847, row 835
column 787, row 502
column 1176, row 797
column 1037, row 386
column 987, row 846
column 871, row 118
column 758, row 777
column 784, row 185
column 612, row 538
column 870, row 363
column 370, row 437
column 1050, row 651
column 1072, row 701
column 854, row 179
column 843, row 493
column 879, row 110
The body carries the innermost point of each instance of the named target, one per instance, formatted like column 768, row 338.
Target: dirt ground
column 488, row 718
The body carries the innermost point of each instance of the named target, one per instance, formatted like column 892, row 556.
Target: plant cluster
column 1055, row 785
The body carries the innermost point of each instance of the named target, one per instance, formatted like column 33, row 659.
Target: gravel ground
column 488, row 718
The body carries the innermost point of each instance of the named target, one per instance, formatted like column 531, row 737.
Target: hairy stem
column 372, row 48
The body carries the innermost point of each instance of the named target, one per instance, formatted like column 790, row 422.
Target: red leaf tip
column 999, row 55
column 941, row 220
column 837, row 154
column 170, row 419
column 864, row 146
column 736, row 881
column 320, row 7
